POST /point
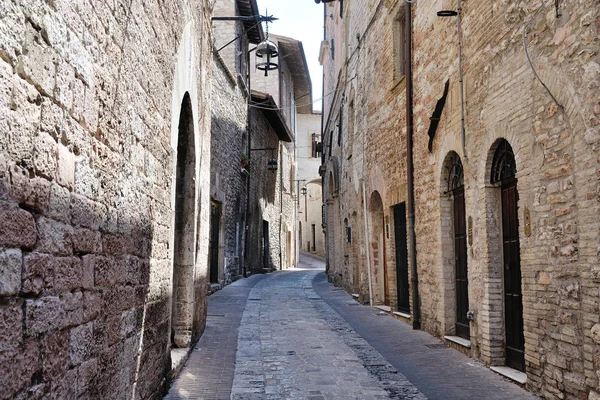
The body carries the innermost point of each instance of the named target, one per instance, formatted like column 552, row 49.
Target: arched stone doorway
column 300, row 235
column 379, row 276
column 503, row 174
column 333, row 220
column 184, row 245
column 454, row 245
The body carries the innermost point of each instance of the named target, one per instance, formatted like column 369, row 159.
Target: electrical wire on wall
column 284, row 107
column 524, row 36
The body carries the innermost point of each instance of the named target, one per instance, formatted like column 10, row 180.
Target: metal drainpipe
column 460, row 74
column 366, row 225
column 324, row 209
column 416, row 312
column 248, row 147
column 280, row 203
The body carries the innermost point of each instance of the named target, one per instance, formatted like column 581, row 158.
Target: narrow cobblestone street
column 299, row 337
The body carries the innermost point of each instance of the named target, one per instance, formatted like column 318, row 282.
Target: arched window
column 503, row 165
column 455, row 173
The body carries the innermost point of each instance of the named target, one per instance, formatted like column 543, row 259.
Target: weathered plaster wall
column 310, row 205
column 308, row 170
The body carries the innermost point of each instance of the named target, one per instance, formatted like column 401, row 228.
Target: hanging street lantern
column 303, row 190
column 266, row 51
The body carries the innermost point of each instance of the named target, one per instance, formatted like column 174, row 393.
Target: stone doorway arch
column 182, row 313
column 378, row 271
column 506, row 298
column 454, row 246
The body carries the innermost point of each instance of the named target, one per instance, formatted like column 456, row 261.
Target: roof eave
column 266, row 104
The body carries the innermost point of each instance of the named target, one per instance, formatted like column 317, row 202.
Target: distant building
column 309, row 149
column 273, row 209
column 230, row 155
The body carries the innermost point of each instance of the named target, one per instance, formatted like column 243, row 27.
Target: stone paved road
column 301, row 338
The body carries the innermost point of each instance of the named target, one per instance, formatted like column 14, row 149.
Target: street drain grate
column 216, row 315
column 436, row 346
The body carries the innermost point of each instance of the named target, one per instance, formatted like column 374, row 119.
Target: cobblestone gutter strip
column 249, row 379
column 392, row 381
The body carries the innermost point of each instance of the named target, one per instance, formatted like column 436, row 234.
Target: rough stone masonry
column 92, row 99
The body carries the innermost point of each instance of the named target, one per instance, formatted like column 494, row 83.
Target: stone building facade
column 229, row 138
column 270, row 232
column 273, row 119
column 104, row 194
column 254, row 120
column 507, row 196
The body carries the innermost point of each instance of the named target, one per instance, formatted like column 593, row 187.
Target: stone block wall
column 371, row 145
column 228, row 184
column 90, row 97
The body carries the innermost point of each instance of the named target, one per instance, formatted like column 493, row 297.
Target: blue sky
column 301, row 20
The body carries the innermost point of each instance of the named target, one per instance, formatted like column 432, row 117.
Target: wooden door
column 513, row 298
column 460, row 264
column 386, row 287
column 215, row 222
column 265, row 245
column 401, row 257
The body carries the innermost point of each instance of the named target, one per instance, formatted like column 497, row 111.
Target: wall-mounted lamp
column 298, row 187
column 265, row 49
column 303, row 190
column 272, row 163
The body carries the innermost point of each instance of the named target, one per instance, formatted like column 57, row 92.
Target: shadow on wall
column 85, row 283
column 82, row 313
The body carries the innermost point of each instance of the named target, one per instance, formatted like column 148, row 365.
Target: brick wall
column 90, row 98
column 556, row 151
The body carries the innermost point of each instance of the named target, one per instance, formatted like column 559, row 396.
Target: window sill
column 511, row 373
column 402, row 314
column 459, row 341
column 384, row 308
